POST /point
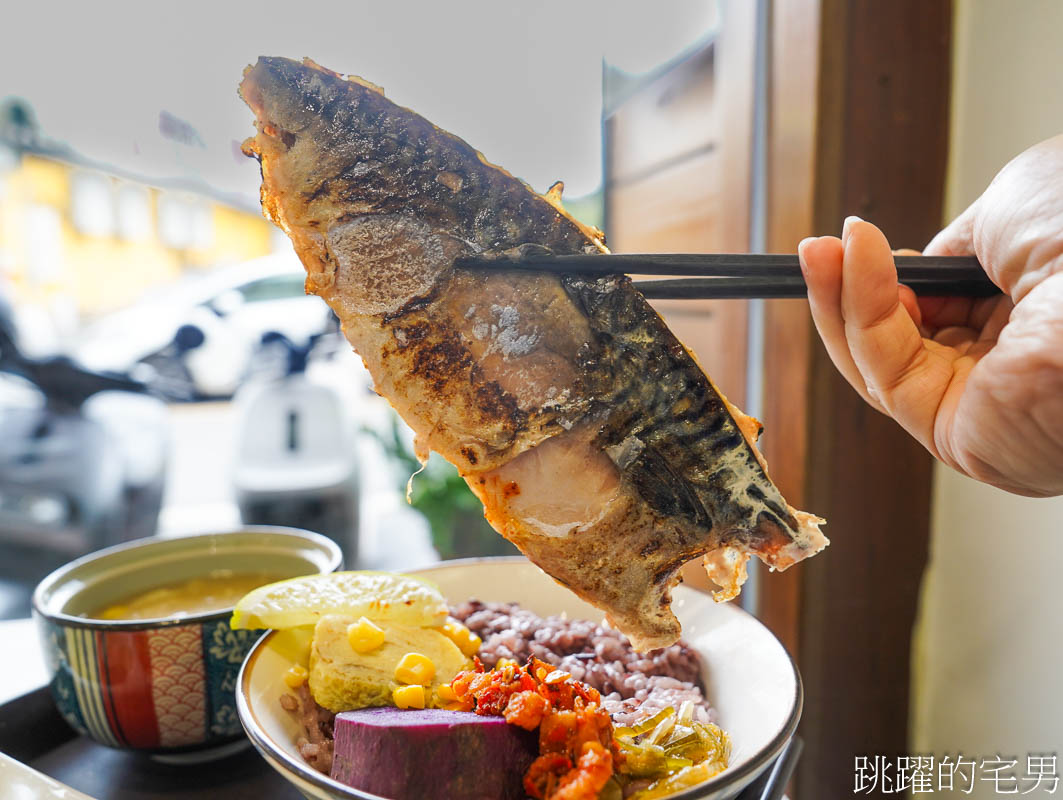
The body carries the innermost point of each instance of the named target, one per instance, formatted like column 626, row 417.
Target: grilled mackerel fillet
column 594, row 440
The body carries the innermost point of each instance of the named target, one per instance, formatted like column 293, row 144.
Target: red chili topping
column 576, row 753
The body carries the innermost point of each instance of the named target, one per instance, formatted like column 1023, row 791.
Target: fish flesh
column 596, row 443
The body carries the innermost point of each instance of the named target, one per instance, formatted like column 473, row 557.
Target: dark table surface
column 32, row 732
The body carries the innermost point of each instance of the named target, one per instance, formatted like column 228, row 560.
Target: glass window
column 134, row 212
column 92, row 204
column 175, row 221
column 202, row 225
column 44, row 240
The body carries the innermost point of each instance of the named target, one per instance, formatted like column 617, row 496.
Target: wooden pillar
column 858, row 125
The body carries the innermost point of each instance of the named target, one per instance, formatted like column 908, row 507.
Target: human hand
column 978, row 382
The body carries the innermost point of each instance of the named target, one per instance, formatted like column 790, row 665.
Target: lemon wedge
column 379, row 596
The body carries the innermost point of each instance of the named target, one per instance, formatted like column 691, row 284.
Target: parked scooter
column 296, row 461
column 82, row 454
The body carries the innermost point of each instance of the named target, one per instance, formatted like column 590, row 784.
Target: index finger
column 887, row 347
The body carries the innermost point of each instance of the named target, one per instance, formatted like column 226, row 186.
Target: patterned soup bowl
column 163, row 685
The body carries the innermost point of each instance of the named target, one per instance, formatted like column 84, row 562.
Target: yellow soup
column 216, row 592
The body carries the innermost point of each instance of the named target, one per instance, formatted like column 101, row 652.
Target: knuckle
column 883, row 317
column 899, row 378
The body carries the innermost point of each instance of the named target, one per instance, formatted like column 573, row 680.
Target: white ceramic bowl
column 748, row 675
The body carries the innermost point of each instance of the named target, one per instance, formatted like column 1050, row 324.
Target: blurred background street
column 199, row 494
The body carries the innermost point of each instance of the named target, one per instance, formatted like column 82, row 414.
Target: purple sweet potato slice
column 431, row 754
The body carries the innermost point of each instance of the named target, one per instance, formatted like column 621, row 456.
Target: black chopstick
column 748, row 288
column 711, row 265
column 744, row 275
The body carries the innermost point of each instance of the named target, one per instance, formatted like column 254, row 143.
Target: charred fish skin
column 668, row 429
column 379, row 203
column 596, row 443
column 366, row 153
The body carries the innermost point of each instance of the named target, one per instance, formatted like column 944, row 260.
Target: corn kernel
column 364, row 636
column 408, row 696
column 415, row 668
column 457, row 705
column 446, row 693
column 295, row 676
column 502, row 663
column 466, row 641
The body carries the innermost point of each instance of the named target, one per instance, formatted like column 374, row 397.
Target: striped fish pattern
column 594, row 440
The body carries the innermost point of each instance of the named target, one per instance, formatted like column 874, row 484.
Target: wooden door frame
column 858, row 124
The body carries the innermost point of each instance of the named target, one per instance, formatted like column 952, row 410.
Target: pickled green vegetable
column 643, row 760
column 652, row 722
column 680, row 745
column 671, row 749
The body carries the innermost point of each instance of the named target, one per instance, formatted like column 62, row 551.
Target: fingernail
column 801, row 255
column 847, row 226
